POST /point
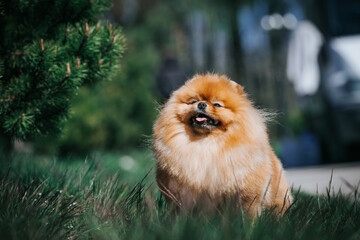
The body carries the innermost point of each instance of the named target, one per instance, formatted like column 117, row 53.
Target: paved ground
column 317, row 178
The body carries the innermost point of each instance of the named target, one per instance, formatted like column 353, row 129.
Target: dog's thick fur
column 210, row 154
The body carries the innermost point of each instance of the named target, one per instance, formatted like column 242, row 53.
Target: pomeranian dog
column 211, row 146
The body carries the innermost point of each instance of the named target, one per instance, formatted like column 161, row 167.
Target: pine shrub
column 48, row 50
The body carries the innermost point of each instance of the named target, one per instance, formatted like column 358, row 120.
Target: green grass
column 113, row 196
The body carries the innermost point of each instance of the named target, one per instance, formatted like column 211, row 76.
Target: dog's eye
column 193, row 101
column 217, row 105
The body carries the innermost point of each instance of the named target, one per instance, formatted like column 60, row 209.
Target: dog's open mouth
column 202, row 120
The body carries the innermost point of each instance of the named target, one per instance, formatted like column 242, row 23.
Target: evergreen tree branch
column 9, row 99
column 108, row 47
column 65, row 37
column 37, row 75
column 87, row 31
column 34, row 88
column 66, row 5
column 60, row 83
column 81, row 12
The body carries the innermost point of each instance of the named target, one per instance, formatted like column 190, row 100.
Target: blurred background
column 298, row 59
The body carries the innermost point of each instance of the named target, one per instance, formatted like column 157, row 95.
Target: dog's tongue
column 201, row 119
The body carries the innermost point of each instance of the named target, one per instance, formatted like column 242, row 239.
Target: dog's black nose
column 202, row 106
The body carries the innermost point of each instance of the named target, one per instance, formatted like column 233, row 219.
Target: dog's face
column 209, row 104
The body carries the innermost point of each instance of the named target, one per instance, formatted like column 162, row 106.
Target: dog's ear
column 239, row 89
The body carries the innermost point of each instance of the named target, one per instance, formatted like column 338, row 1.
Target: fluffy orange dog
column 211, row 146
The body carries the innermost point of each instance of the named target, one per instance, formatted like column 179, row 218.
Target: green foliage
column 46, row 59
column 52, row 199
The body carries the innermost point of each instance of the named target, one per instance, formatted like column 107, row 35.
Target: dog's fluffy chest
column 205, row 166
